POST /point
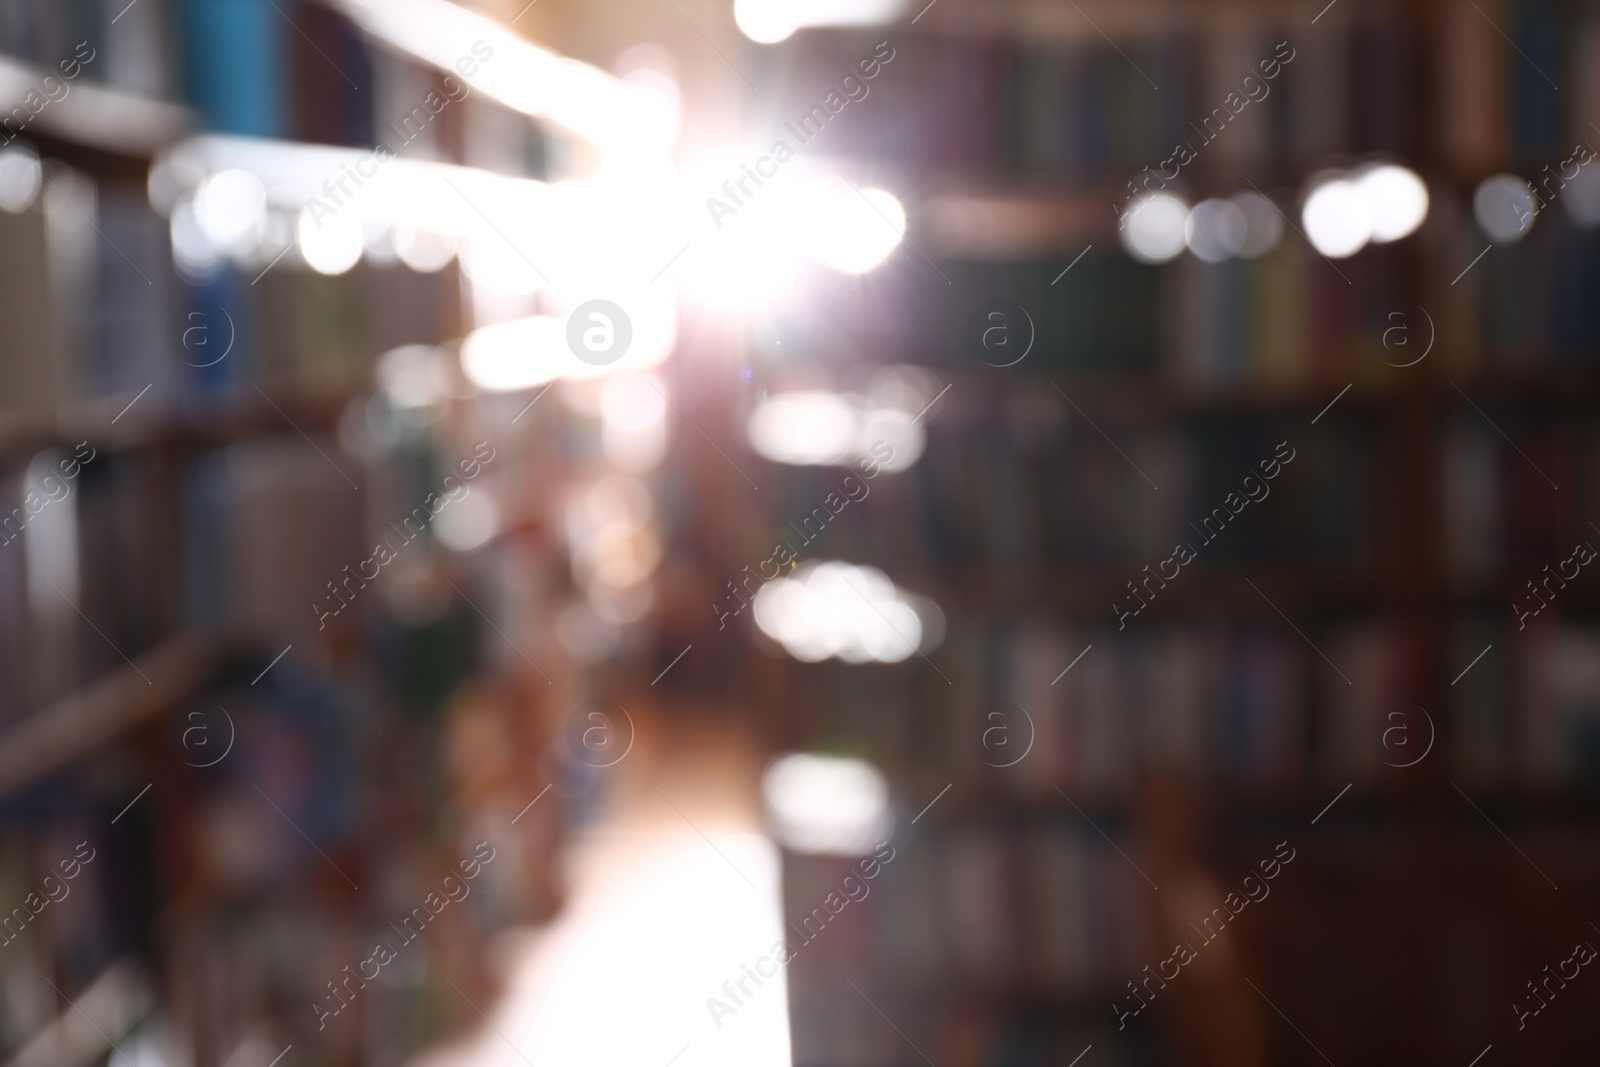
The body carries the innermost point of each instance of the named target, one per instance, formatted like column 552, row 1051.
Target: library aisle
column 674, row 892
column 799, row 533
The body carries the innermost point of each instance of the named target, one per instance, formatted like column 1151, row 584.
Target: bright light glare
column 515, row 355
column 827, row 804
column 491, row 261
column 596, row 106
column 646, row 902
column 839, row 610
column 765, row 21
column 1505, row 208
column 1152, row 230
column 1397, row 201
column 229, row 205
column 827, row 429
column 1263, row 226
column 528, row 352
column 633, row 427
column 1215, row 230
column 332, row 244
column 770, row 21
column 609, row 533
column 805, row 429
column 1336, row 218
column 192, row 251
column 857, row 231
column 754, row 255
column 468, row 523
column 413, row 376
column 20, row 178
column 422, row 250
column 50, row 538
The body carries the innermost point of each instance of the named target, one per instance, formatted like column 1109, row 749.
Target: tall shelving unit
column 260, row 796
column 1233, row 713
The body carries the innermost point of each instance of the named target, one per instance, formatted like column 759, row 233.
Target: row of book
column 968, row 919
column 1080, row 106
column 1032, row 709
column 992, row 494
column 1055, row 908
column 1285, row 324
column 93, row 293
column 208, row 882
column 252, row 67
column 1291, row 317
column 107, row 853
column 1519, row 489
column 972, row 916
column 1527, row 715
column 1525, row 308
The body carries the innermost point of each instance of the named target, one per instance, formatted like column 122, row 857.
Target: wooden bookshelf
column 1402, row 868
column 97, row 127
column 100, row 712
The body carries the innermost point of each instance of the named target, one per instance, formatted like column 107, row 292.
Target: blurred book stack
column 189, row 462
column 1358, row 627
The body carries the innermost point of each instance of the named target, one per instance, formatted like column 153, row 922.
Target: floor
column 673, row 891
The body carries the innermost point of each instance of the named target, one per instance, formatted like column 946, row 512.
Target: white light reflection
column 827, row 804
column 1152, row 230
column 839, row 610
column 623, row 975
column 829, row 429
column 525, row 353
column 771, row 21
column 1336, row 218
column 603, row 109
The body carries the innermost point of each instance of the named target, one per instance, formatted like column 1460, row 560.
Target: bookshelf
column 259, row 794
column 90, row 718
column 1209, row 729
